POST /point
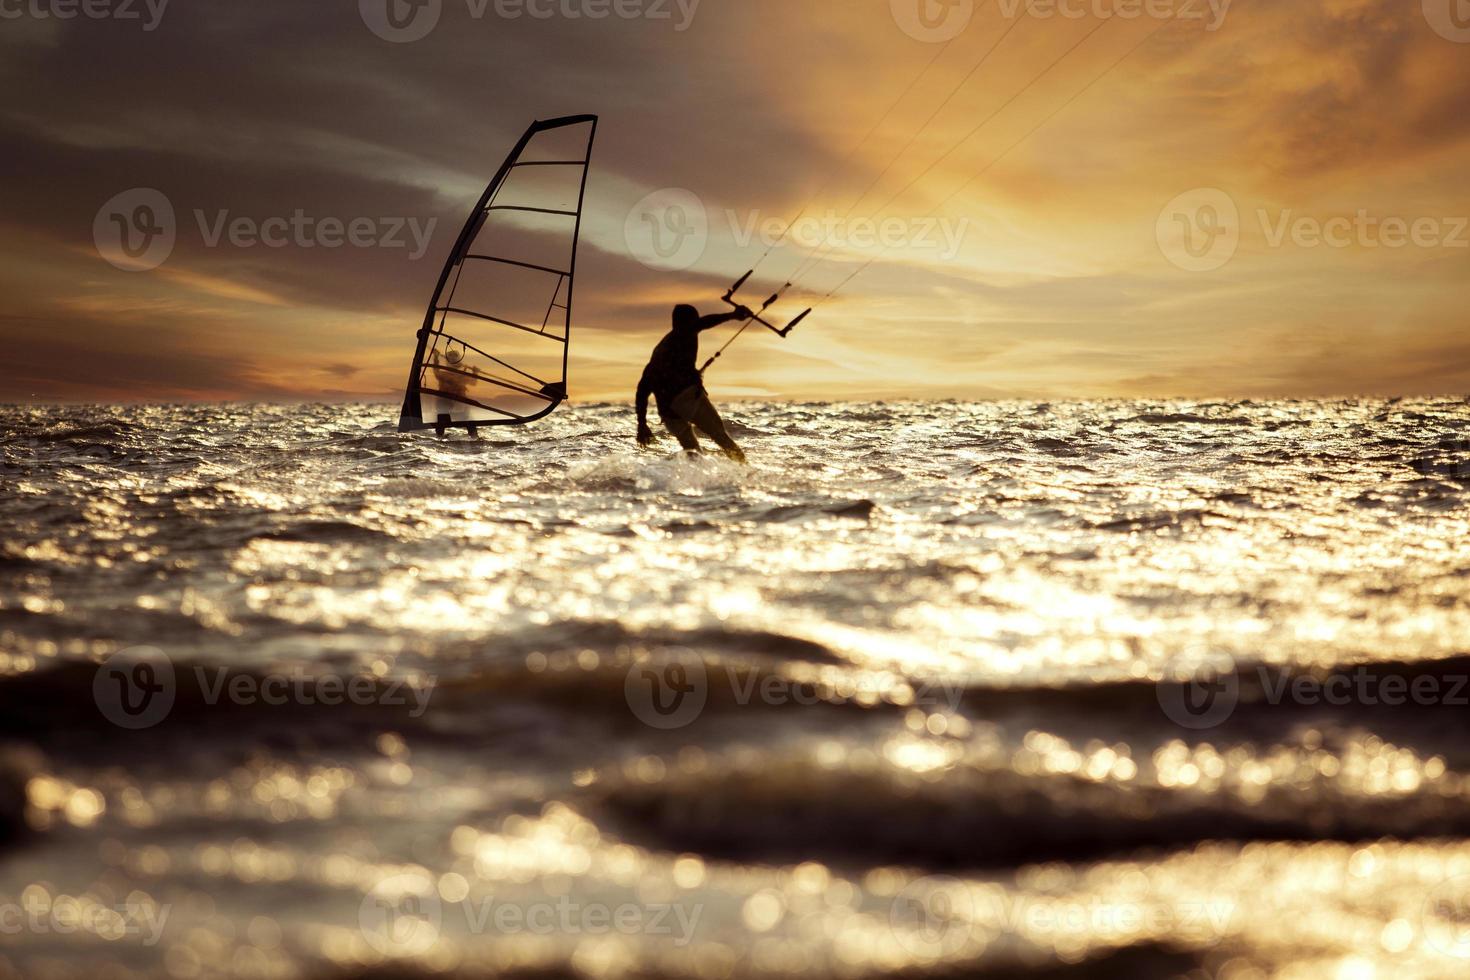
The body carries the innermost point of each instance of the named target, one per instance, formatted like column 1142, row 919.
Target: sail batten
column 523, row 265
column 531, row 210
column 501, row 322
column 513, row 265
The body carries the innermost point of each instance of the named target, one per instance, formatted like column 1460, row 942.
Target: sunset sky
column 1071, row 276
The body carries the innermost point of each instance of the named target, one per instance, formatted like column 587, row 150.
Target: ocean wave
column 910, row 640
column 677, row 472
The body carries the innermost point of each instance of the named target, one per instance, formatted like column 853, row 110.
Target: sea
column 1114, row 689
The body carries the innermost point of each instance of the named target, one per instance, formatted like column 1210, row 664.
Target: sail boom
column 447, row 396
column 530, row 210
column 503, row 323
column 511, row 385
column 523, row 265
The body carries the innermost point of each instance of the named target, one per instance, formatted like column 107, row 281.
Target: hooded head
column 686, row 317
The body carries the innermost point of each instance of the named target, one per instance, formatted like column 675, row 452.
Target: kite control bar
column 755, row 317
column 729, row 297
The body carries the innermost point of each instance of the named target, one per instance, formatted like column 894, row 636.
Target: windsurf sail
column 496, row 339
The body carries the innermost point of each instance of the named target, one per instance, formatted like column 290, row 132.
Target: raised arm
column 719, row 319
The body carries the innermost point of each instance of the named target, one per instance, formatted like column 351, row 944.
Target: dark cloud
column 271, row 107
column 1310, row 88
column 86, row 359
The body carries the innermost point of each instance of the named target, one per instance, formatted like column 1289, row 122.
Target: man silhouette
column 449, row 372
column 677, row 388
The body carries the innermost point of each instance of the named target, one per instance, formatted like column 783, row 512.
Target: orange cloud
column 1299, row 110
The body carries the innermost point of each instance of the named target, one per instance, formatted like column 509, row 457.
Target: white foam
column 675, row 472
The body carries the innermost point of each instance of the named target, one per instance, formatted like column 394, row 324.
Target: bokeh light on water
column 993, row 688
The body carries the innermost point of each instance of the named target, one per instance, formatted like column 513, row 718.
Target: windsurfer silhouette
column 450, row 372
column 674, row 381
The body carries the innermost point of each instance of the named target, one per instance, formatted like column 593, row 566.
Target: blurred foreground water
column 1114, row 689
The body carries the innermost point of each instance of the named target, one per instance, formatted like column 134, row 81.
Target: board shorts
column 691, row 410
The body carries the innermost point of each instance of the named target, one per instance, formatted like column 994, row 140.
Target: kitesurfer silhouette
column 674, row 381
